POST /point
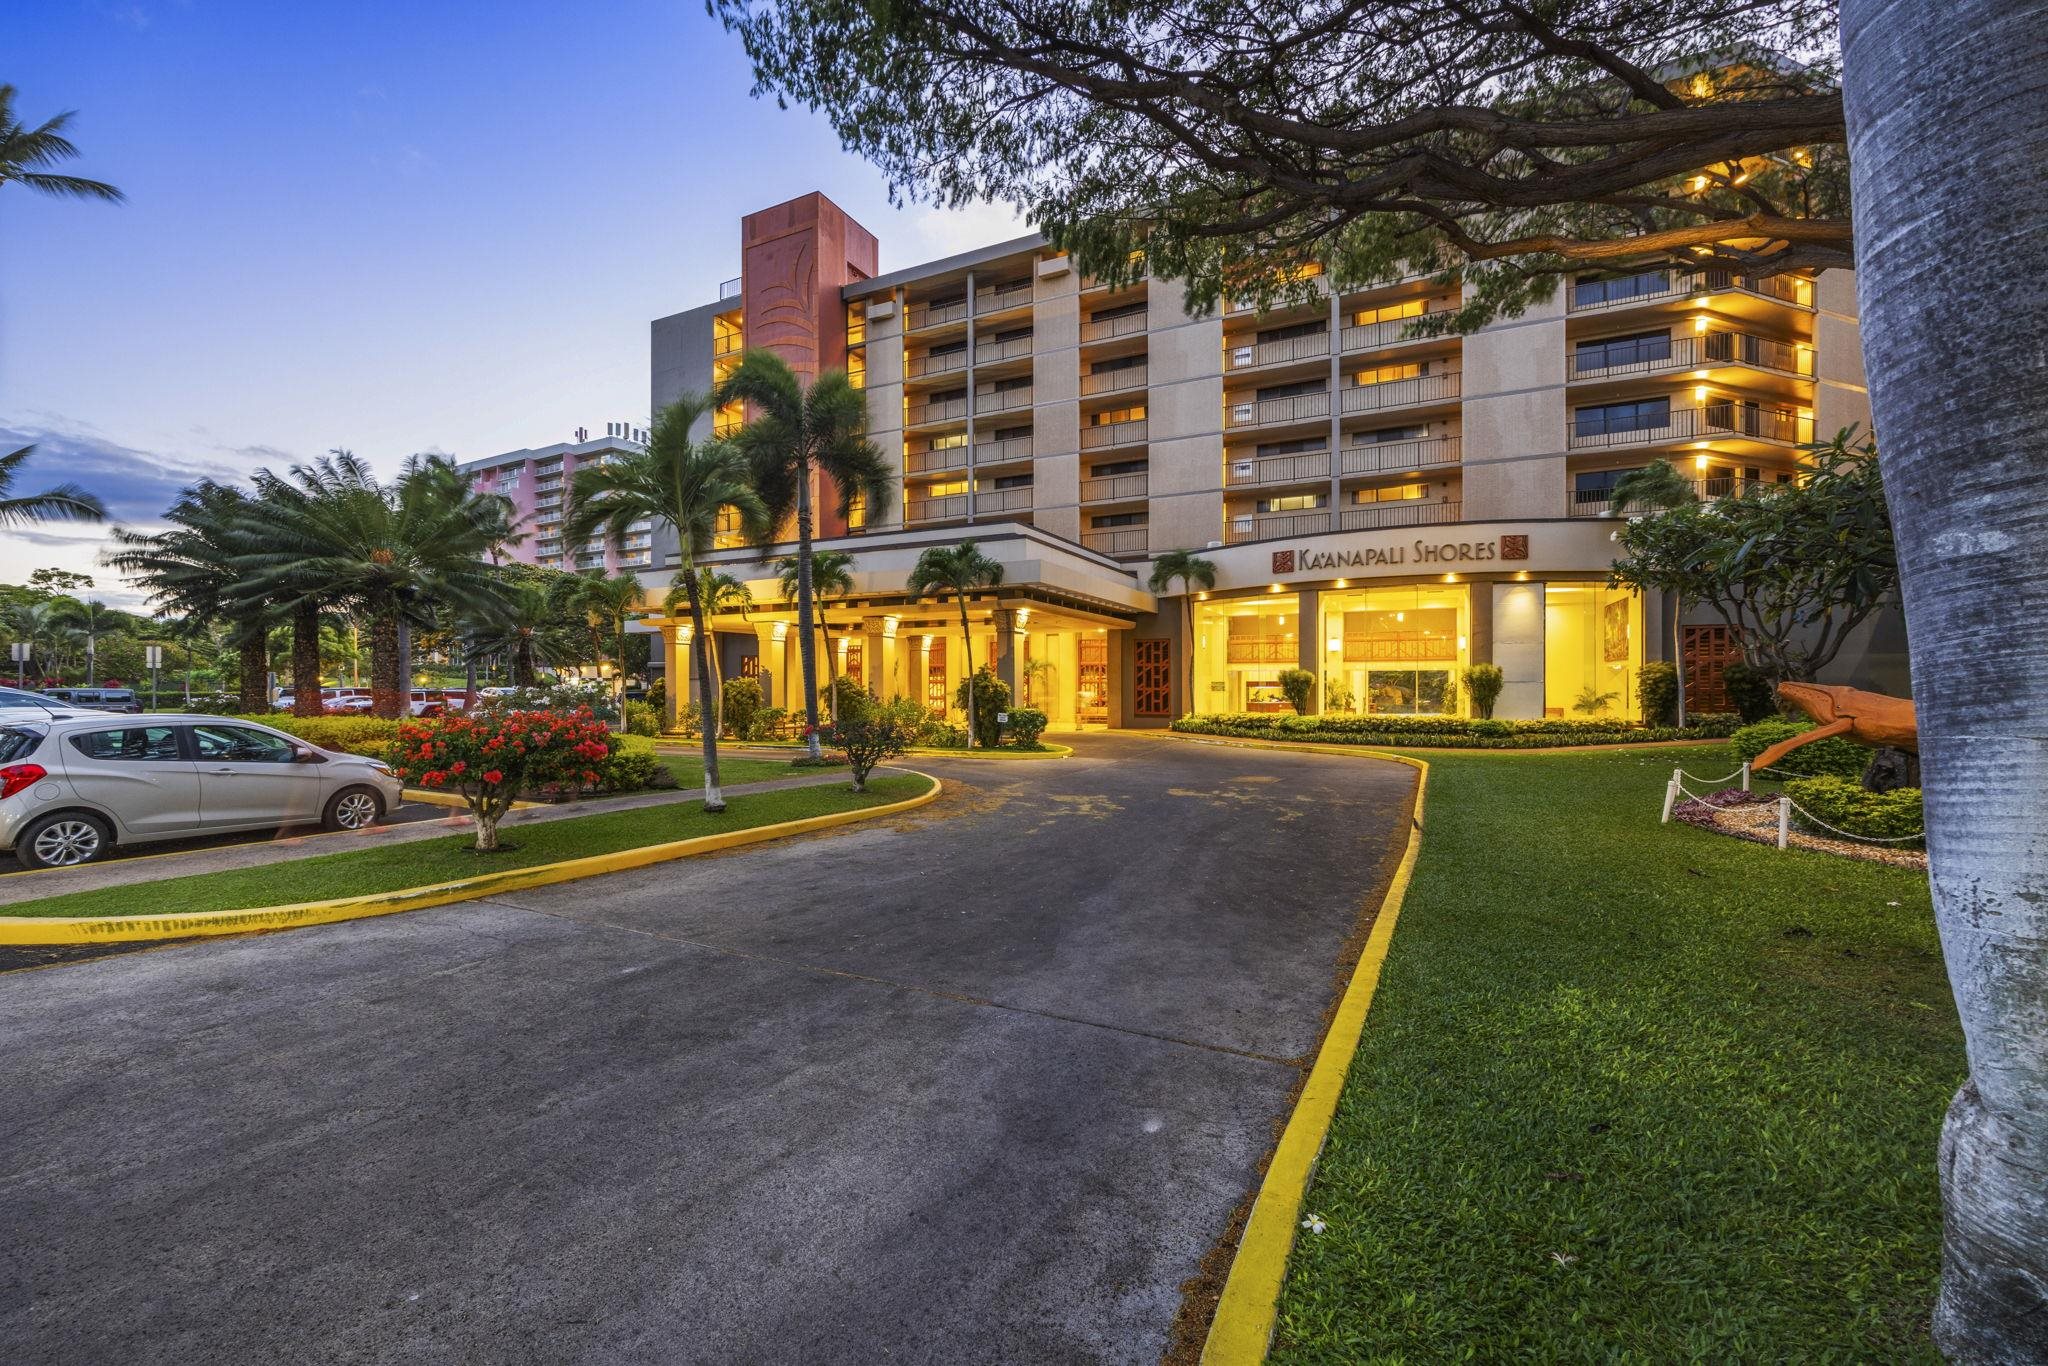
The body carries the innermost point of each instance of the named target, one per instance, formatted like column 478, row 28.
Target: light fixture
column 1343, row 583
column 1272, row 588
column 1699, row 462
column 1699, row 393
column 1400, row 616
column 1699, row 324
column 1522, row 575
column 1201, row 597
column 1336, row 644
column 1450, row 578
column 1461, row 642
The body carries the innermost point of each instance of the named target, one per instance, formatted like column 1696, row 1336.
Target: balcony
column 995, row 298
column 1258, row 355
column 1694, row 352
column 935, row 459
column 1397, row 457
column 1723, row 420
column 991, row 351
column 1114, row 488
column 936, row 410
column 728, row 344
column 935, row 363
column 1413, row 513
column 1119, row 541
column 1123, row 325
column 934, row 314
column 1275, row 412
column 1392, row 332
column 1003, row 452
column 1597, row 296
column 989, row 502
column 1265, row 471
column 1599, row 503
column 988, row 401
column 1403, row 393
column 1263, row 526
column 1113, row 381
column 948, row 508
column 1111, row 434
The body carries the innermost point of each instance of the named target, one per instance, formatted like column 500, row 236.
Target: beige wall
column 1514, row 416
column 1841, row 398
column 885, row 400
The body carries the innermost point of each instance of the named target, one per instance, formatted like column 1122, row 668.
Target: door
column 252, row 777
column 1091, row 700
column 140, row 774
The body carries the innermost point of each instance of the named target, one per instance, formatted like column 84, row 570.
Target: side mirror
column 303, row 755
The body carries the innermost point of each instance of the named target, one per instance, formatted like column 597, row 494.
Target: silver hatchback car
column 73, row 787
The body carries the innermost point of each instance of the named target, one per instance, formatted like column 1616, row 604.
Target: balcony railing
column 936, row 410
column 1113, row 381
column 1114, row 488
column 1595, row 296
column 1714, row 420
column 728, row 344
column 1686, row 353
column 1256, row 355
column 1113, row 434
column 934, row 314
column 1001, row 400
column 1260, row 526
column 1403, row 393
column 1123, row 540
column 1002, row 500
column 1122, row 325
column 942, row 509
column 990, row 351
column 1414, row 513
column 935, row 460
column 994, row 452
column 729, row 289
column 935, row 363
column 1374, row 336
column 1271, row 412
column 1600, row 502
column 1389, row 457
column 993, row 297
column 1277, row 469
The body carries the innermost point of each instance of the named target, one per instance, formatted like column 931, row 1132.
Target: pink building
column 537, row 482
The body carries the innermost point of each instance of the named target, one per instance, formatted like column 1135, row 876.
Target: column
column 675, row 674
column 767, row 640
column 1518, row 649
column 1308, row 644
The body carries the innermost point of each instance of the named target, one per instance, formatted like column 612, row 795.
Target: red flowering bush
column 490, row 757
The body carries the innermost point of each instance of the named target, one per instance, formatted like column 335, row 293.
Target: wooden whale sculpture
column 1869, row 718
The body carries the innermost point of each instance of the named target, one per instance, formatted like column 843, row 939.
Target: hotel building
column 537, row 482
column 1382, row 510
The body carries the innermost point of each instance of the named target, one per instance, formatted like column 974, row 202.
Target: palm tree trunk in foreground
column 807, row 649
column 1948, row 135
column 253, row 654
column 967, row 641
column 306, row 661
column 714, row 799
column 384, row 666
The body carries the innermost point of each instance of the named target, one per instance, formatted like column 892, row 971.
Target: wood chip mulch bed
column 1754, row 816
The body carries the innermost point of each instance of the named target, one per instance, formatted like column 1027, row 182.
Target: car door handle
column 221, row 772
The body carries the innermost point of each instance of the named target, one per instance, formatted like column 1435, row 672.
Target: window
column 18, row 741
column 1118, row 467
column 1386, row 374
column 1299, row 502
column 1122, row 311
column 1306, row 386
column 1386, row 313
column 951, row 441
column 1591, row 290
column 1288, row 333
column 1009, row 433
column 1110, row 519
column 1106, row 367
column 240, row 745
column 1011, row 385
column 951, row 486
column 1013, row 481
column 1013, row 334
column 133, row 743
column 1608, row 419
column 1386, row 434
column 1134, row 413
column 1393, row 493
column 1597, row 486
column 951, row 348
column 1638, row 348
column 1306, row 445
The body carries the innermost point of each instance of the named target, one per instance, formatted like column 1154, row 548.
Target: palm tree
column 24, row 151
column 63, row 503
column 608, row 601
column 831, row 576
column 524, row 627
column 792, row 433
column 40, row 626
column 90, row 619
column 723, row 595
column 1193, row 572
column 960, row 570
column 189, row 570
column 687, row 484
column 1655, row 486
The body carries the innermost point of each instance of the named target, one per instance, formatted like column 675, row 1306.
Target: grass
column 1632, row 1092
column 425, row 862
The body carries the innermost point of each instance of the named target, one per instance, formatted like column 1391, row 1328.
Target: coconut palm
column 61, row 503
column 791, row 436
column 24, row 151
column 1193, row 572
column 961, row 570
column 723, row 595
column 831, row 576
column 608, row 602
column 687, row 484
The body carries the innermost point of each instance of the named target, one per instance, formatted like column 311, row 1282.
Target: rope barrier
column 1676, row 788
column 1866, row 839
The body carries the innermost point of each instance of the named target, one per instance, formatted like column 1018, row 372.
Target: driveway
column 981, row 1084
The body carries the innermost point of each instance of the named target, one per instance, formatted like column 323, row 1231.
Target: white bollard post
column 1784, row 821
column 1670, row 797
column 1745, row 775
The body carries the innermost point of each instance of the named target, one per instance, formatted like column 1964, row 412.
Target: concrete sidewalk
column 17, row 888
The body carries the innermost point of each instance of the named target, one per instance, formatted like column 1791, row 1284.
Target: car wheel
column 63, row 839
column 352, row 808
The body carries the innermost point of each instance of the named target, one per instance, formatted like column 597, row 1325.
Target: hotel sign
column 1422, row 551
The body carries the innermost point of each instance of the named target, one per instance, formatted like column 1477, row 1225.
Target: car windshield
column 16, row 741
column 17, row 697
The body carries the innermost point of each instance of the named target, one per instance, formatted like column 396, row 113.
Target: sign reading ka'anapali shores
column 1421, row 551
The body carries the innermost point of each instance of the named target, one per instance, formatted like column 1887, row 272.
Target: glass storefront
column 1395, row 651
column 1592, row 650
column 1241, row 646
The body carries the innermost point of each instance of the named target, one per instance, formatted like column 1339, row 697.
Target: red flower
column 494, row 776
column 432, row 778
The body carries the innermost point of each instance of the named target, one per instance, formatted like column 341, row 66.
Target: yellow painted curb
column 1249, row 1307
column 20, row 930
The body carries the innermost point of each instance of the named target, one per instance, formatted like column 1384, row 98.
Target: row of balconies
column 1262, row 526
column 1657, row 357
column 996, row 298
column 1373, row 458
column 953, row 506
column 954, row 409
column 1724, row 420
column 1415, row 392
column 1316, row 345
column 1659, row 286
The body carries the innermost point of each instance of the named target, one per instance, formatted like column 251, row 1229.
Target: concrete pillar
column 1518, row 649
column 1308, row 640
column 771, row 662
column 675, row 673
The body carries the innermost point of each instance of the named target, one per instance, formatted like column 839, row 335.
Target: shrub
column 1754, row 697
column 1847, row 806
column 491, row 756
column 589, row 695
column 868, row 731
column 1591, row 701
column 371, row 736
column 1026, row 725
column 1298, row 686
column 1835, row 756
column 1657, row 687
column 633, row 770
column 991, row 696
column 1449, row 732
column 642, row 719
column 768, row 724
column 742, row 697
column 1483, row 683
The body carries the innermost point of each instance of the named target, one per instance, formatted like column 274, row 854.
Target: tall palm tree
column 25, row 151
column 62, row 503
column 961, row 570
column 687, row 484
column 608, row 602
column 40, row 626
column 188, row 569
column 90, row 619
column 791, row 435
column 831, row 577
column 724, row 595
column 1193, row 572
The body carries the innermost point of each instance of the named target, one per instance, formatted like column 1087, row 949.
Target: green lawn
column 689, row 769
column 1632, row 1092
column 441, row 860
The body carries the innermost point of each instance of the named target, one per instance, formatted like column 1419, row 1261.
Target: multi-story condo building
column 1382, row 509
column 537, row 482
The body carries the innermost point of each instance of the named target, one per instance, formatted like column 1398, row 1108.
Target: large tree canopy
column 1233, row 145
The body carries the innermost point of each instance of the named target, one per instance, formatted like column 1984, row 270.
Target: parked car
column 33, row 703
column 97, row 699
column 74, row 787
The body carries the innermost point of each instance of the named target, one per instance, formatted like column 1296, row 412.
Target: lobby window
column 1608, row 419
column 1592, row 647
column 1240, row 647
column 1386, row 313
column 1392, row 493
column 1395, row 651
column 1638, row 348
column 1591, row 290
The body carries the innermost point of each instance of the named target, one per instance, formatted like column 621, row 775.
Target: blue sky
column 391, row 227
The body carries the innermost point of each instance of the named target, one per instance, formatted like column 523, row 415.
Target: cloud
column 136, row 485
column 938, row 232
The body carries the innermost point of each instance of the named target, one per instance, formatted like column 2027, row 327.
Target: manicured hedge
column 366, row 735
column 1844, row 804
column 1448, row 732
column 1833, row 756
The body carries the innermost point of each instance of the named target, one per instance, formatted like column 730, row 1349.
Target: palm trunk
column 1947, row 138
column 1187, row 649
column 306, row 661
column 714, row 798
column 831, row 666
column 967, row 643
column 522, row 663
column 806, row 648
column 253, row 658
column 384, row 694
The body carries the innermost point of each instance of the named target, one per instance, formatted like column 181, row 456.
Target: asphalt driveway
column 981, row 1084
